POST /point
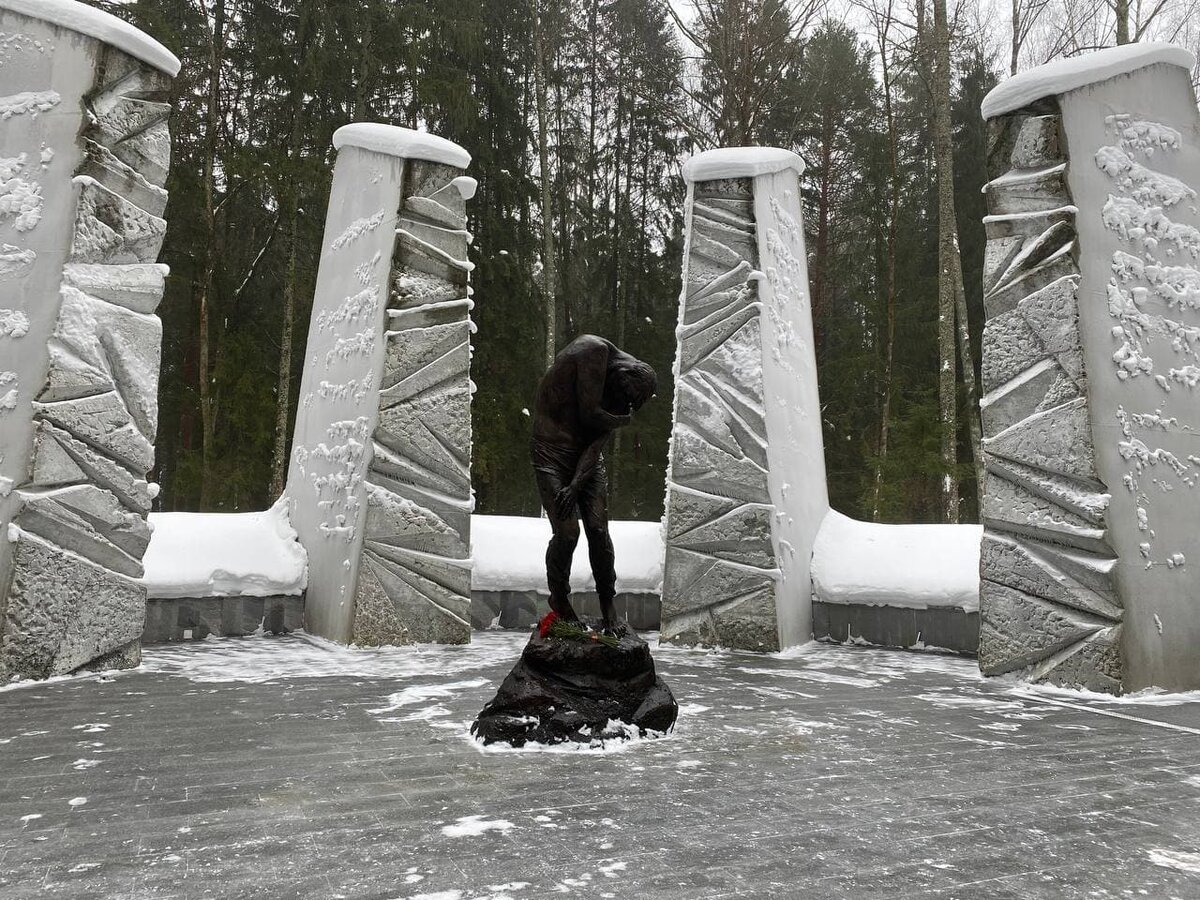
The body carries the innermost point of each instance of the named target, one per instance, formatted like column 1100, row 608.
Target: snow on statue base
column 576, row 684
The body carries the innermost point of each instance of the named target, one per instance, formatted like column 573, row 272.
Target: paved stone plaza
column 285, row 767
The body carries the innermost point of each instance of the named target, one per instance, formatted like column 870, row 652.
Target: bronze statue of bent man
column 591, row 389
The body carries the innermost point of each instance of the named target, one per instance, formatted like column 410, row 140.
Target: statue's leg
column 593, row 503
column 563, row 539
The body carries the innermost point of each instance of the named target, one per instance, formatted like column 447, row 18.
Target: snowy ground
column 288, row 768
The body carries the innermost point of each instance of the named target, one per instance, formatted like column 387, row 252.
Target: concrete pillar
column 84, row 151
column 1091, row 367
column 746, row 489
column 379, row 483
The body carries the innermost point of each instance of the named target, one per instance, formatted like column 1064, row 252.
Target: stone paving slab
column 287, row 767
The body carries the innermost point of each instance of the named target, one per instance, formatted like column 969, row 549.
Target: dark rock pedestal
column 578, row 689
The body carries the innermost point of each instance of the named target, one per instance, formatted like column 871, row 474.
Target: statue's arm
column 588, row 460
column 591, row 368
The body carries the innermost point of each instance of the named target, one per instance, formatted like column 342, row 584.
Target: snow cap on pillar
column 392, row 140
column 1064, row 75
column 102, row 26
column 740, row 162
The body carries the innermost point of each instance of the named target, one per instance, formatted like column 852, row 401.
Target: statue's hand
column 564, row 501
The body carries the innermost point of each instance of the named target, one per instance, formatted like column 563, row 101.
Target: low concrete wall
column 195, row 618
column 521, row 609
column 936, row 628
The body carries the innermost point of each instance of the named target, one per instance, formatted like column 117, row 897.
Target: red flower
column 547, row 623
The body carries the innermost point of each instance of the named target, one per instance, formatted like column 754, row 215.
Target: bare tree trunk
column 291, row 204
column 548, row 261
column 966, row 360
column 621, row 206
column 563, row 313
column 204, row 301
column 362, row 84
column 885, row 418
column 1121, row 8
column 593, row 91
column 1016, row 36
column 283, row 385
column 821, row 256
column 948, row 265
column 618, row 149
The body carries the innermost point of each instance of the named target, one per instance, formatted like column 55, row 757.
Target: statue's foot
column 608, row 616
column 565, row 611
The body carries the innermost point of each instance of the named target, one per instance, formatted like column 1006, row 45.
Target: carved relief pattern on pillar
column 721, row 574
column 414, row 581
column 1154, row 301
column 80, row 528
column 1049, row 606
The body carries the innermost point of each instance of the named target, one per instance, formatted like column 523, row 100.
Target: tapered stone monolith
column 1091, row 367
column 84, row 152
column 379, row 482
column 746, row 489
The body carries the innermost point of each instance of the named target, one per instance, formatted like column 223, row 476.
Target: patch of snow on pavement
column 887, row 665
column 421, row 693
column 425, row 714
column 817, row 676
column 955, row 701
column 1179, row 860
column 630, row 739
column 1147, row 697
column 612, row 869
column 805, row 726
column 473, row 826
column 263, row 658
column 23, row 683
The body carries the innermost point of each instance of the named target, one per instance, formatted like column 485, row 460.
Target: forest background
column 578, row 115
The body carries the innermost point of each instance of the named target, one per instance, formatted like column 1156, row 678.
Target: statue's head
column 631, row 383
